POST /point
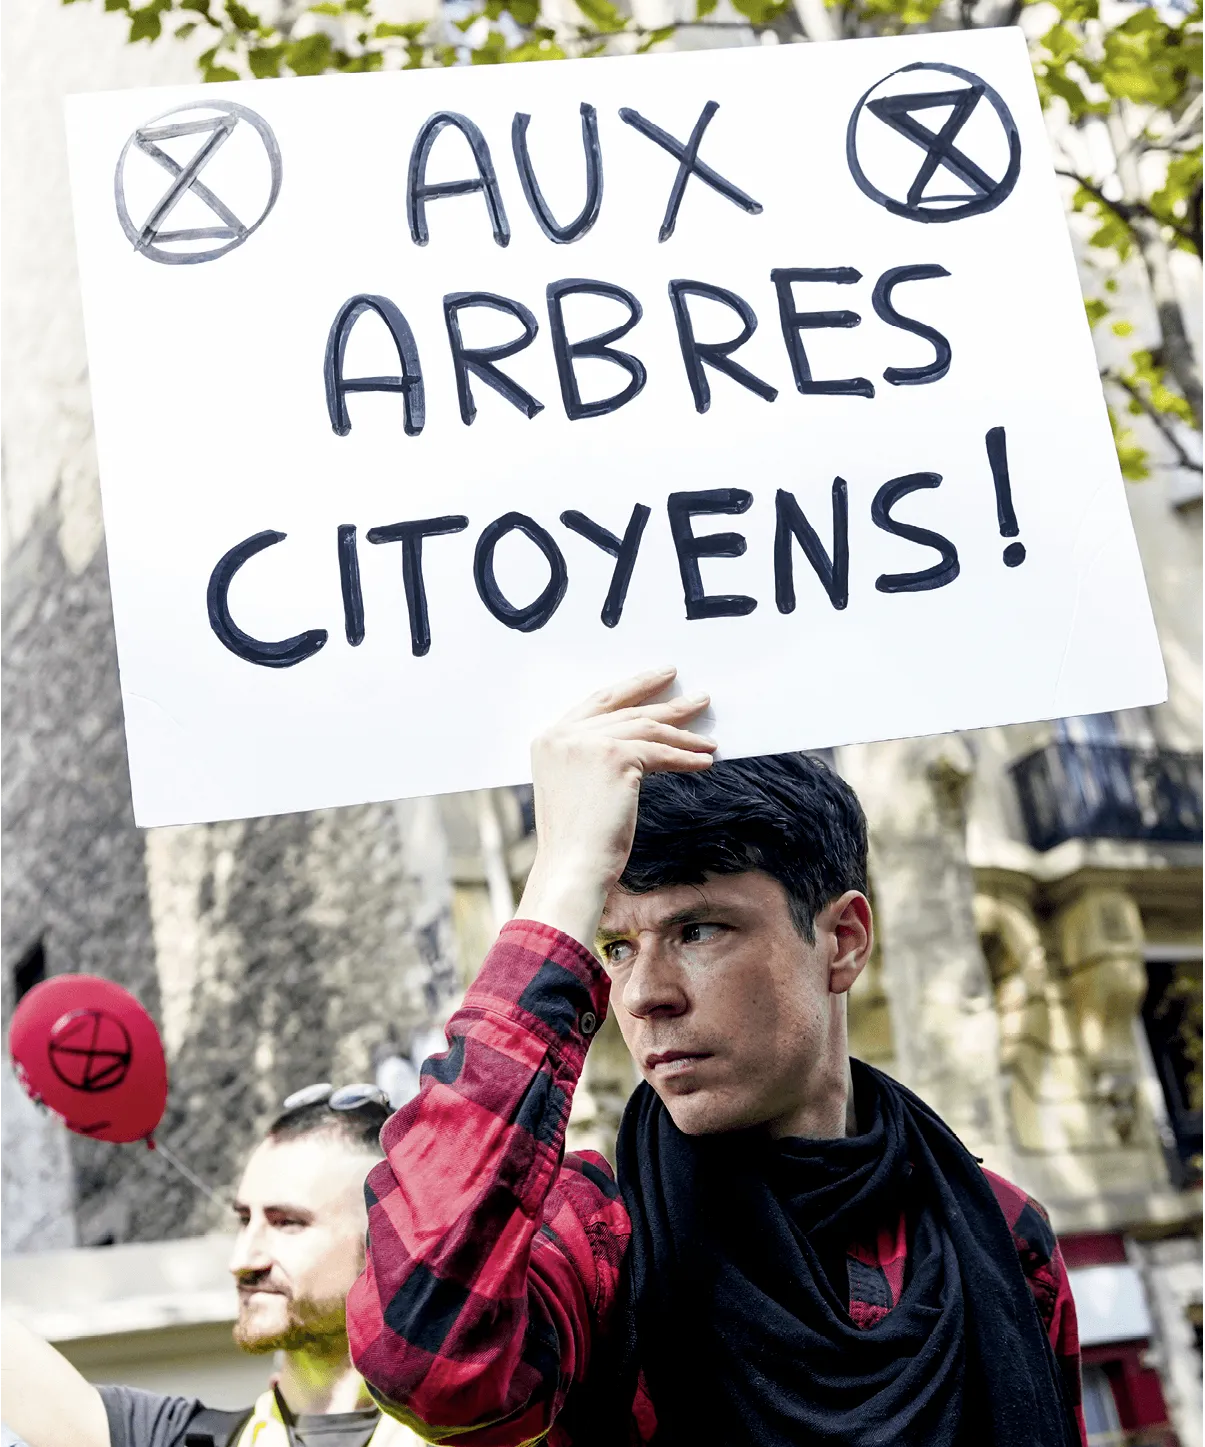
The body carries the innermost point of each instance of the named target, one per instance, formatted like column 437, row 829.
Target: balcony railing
column 1109, row 791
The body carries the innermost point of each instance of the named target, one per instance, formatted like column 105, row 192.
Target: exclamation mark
column 997, row 455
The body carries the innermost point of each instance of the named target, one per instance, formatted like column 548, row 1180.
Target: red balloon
column 87, row 1049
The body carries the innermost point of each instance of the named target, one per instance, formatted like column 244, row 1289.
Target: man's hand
column 587, row 771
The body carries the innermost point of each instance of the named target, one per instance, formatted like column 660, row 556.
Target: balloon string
column 188, row 1175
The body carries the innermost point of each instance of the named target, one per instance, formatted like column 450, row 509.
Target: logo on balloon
column 90, row 1050
column 86, row 1049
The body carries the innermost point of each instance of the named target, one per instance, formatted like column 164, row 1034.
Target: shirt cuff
column 546, row 979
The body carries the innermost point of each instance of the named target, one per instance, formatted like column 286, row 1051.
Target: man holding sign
column 797, row 1248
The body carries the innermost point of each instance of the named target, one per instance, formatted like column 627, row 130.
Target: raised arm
column 492, row 1264
column 45, row 1400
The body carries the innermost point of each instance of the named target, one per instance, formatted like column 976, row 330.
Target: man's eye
column 695, row 934
column 617, row 952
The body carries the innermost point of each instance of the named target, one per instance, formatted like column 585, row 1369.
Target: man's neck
column 319, row 1382
column 829, row 1112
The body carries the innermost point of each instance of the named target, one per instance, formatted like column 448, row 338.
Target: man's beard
column 315, row 1326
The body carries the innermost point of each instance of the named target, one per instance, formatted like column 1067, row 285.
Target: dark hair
column 788, row 815
column 359, row 1128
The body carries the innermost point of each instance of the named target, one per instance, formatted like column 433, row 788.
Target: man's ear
column 851, row 923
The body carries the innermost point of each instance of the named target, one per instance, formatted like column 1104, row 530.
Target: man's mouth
column 669, row 1063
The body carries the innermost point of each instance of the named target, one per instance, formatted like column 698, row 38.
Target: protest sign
column 427, row 402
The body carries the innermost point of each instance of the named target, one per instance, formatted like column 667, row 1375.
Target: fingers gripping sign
column 587, row 771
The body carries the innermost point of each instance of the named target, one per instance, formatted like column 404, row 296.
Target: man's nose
column 250, row 1253
column 654, row 984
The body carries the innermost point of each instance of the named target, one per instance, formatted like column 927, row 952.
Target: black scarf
column 736, row 1291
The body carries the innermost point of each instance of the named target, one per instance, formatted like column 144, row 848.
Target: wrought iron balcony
column 1109, row 791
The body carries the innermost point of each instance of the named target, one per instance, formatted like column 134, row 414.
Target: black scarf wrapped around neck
column 736, row 1294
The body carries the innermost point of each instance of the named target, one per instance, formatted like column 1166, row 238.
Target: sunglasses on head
column 347, row 1097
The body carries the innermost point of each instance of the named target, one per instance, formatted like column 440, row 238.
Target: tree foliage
column 1121, row 84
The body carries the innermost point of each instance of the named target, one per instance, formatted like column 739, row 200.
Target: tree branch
column 1156, row 417
column 1126, row 211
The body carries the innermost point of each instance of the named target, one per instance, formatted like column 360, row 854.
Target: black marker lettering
column 283, row 654
column 419, row 191
column 480, row 360
column 880, row 511
column 349, row 581
column 411, row 536
column 833, row 572
column 536, row 613
column 623, row 550
column 1006, row 517
column 932, row 371
column 793, row 322
column 689, row 165
column 409, row 384
column 682, row 507
column 588, row 215
column 599, row 346
column 715, row 354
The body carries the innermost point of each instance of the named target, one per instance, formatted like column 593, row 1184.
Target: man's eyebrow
column 693, row 914
column 282, row 1207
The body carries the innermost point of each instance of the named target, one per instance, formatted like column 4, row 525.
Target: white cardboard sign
column 428, row 402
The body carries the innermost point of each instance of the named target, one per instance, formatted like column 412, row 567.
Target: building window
column 1100, row 1410
column 30, row 971
column 1171, row 1015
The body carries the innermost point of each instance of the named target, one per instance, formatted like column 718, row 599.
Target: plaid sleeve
column 491, row 1261
column 1046, row 1272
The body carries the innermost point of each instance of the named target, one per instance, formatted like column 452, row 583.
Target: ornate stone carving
column 1101, row 941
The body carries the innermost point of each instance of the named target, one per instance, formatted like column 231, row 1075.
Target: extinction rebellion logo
column 224, row 170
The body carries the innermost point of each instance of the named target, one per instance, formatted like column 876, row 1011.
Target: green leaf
column 1122, row 328
column 655, row 37
column 412, row 31
column 602, row 15
column 264, row 61
column 310, row 56
column 182, row 32
column 761, row 12
column 213, row 73
column 490, row 52
column 145, row 24
column 361, row 64
column 1097, row 310
column 703, row 8
column 1130, row 454
column 541, row 48
column 242, row 18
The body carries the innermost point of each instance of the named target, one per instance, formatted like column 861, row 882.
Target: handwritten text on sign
column 427, row 402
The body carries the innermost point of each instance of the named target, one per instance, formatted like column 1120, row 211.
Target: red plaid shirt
column 494, row 1259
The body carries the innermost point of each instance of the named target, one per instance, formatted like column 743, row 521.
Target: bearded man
column 797, row 1250
column 300, row 1244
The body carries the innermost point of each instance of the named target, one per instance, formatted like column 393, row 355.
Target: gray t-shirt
column 145, row 1419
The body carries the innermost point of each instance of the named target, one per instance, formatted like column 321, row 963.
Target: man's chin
column 703, row 1112
column 258, row 1341
column 282, row 1325
column 260, row 1330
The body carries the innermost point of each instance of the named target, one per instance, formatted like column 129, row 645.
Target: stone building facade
column 1037, row 889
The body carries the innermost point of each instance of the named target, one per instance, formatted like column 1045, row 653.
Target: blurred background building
column 1037, row 890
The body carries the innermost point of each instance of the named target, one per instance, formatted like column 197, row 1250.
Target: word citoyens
column 792, row 527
